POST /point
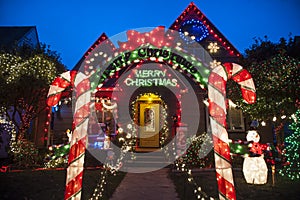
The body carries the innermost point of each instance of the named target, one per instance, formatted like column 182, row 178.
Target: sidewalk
column 147, row 186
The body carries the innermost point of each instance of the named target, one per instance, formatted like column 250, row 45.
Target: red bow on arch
column 156, row 37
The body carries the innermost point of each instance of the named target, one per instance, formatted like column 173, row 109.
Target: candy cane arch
column 80, row 121
column 217, row 110
column 58, row 85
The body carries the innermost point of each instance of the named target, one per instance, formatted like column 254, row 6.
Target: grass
column 284, row 188
column 50, row 184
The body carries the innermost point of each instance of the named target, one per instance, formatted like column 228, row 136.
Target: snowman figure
column 254, row 167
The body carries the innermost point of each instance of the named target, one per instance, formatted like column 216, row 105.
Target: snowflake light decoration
column 213, row 47
column 214, row 64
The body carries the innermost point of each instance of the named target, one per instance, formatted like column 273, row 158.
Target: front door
column 149, row 124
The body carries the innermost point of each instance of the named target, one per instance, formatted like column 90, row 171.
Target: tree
column 276, row 76
column 292, row 150
column 25, row 76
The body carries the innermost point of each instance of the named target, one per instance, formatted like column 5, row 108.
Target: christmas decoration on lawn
column 99, row 190
column 239, row 148
column 81, row 118
column 292, row 151
column 8, row 134
column 254, row 167
column 25, row 153
column 217, row 110
column 58, row 85
column 196, row 156
column 57, row 156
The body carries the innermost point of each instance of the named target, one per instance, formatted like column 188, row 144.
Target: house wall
column 265, row 132
column 62, row 120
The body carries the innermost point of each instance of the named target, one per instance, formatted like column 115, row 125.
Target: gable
column 192, row 23
column 107, row 46
column 197, row 26
column 11, row 36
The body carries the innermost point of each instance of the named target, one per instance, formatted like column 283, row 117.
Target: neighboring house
column 16, row 36
column 12, row 37
column 193, row 23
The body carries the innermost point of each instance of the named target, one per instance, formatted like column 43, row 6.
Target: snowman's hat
column 254, row 124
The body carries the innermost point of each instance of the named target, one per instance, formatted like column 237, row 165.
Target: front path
column 147, row 186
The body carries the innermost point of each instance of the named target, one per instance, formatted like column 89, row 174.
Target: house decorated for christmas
column 137, row 82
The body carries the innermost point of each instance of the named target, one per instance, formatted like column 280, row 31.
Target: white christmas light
column 214, row 64
column 255, row 169
column 213, row 47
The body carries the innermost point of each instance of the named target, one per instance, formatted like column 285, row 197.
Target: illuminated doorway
column 149, row 114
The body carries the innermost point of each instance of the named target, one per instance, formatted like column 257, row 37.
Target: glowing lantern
column 255, row 168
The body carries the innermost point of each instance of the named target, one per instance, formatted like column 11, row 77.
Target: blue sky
column 71, row 27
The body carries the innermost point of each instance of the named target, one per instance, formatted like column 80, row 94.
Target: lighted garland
column 196, row 146
column 185, row 164
column 292, row 150
column 24, row 152
column 239, row 148
column 99, row 190
column 110, row 168
column 57, row 156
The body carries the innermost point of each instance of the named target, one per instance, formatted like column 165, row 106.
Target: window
column 235, row 119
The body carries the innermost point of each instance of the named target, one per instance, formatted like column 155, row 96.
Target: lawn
column 284, row 188
column 50, row 184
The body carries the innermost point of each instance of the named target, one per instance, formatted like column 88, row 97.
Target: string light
column 292, row 149
column 193, row 30
column 57, row 156
column 192, row 159
column 214, row 64
column 277, row 83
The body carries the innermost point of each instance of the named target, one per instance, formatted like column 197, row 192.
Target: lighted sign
column 151, row 54
column 149, row 77
column 153, row 77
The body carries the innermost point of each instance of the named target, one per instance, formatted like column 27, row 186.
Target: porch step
column 145, row 162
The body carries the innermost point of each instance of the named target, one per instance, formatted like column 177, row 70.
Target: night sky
column 71, row 27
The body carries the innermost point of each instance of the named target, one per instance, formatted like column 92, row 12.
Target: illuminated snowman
column 254, row 167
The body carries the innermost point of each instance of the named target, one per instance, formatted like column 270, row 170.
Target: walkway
column 147, row 186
